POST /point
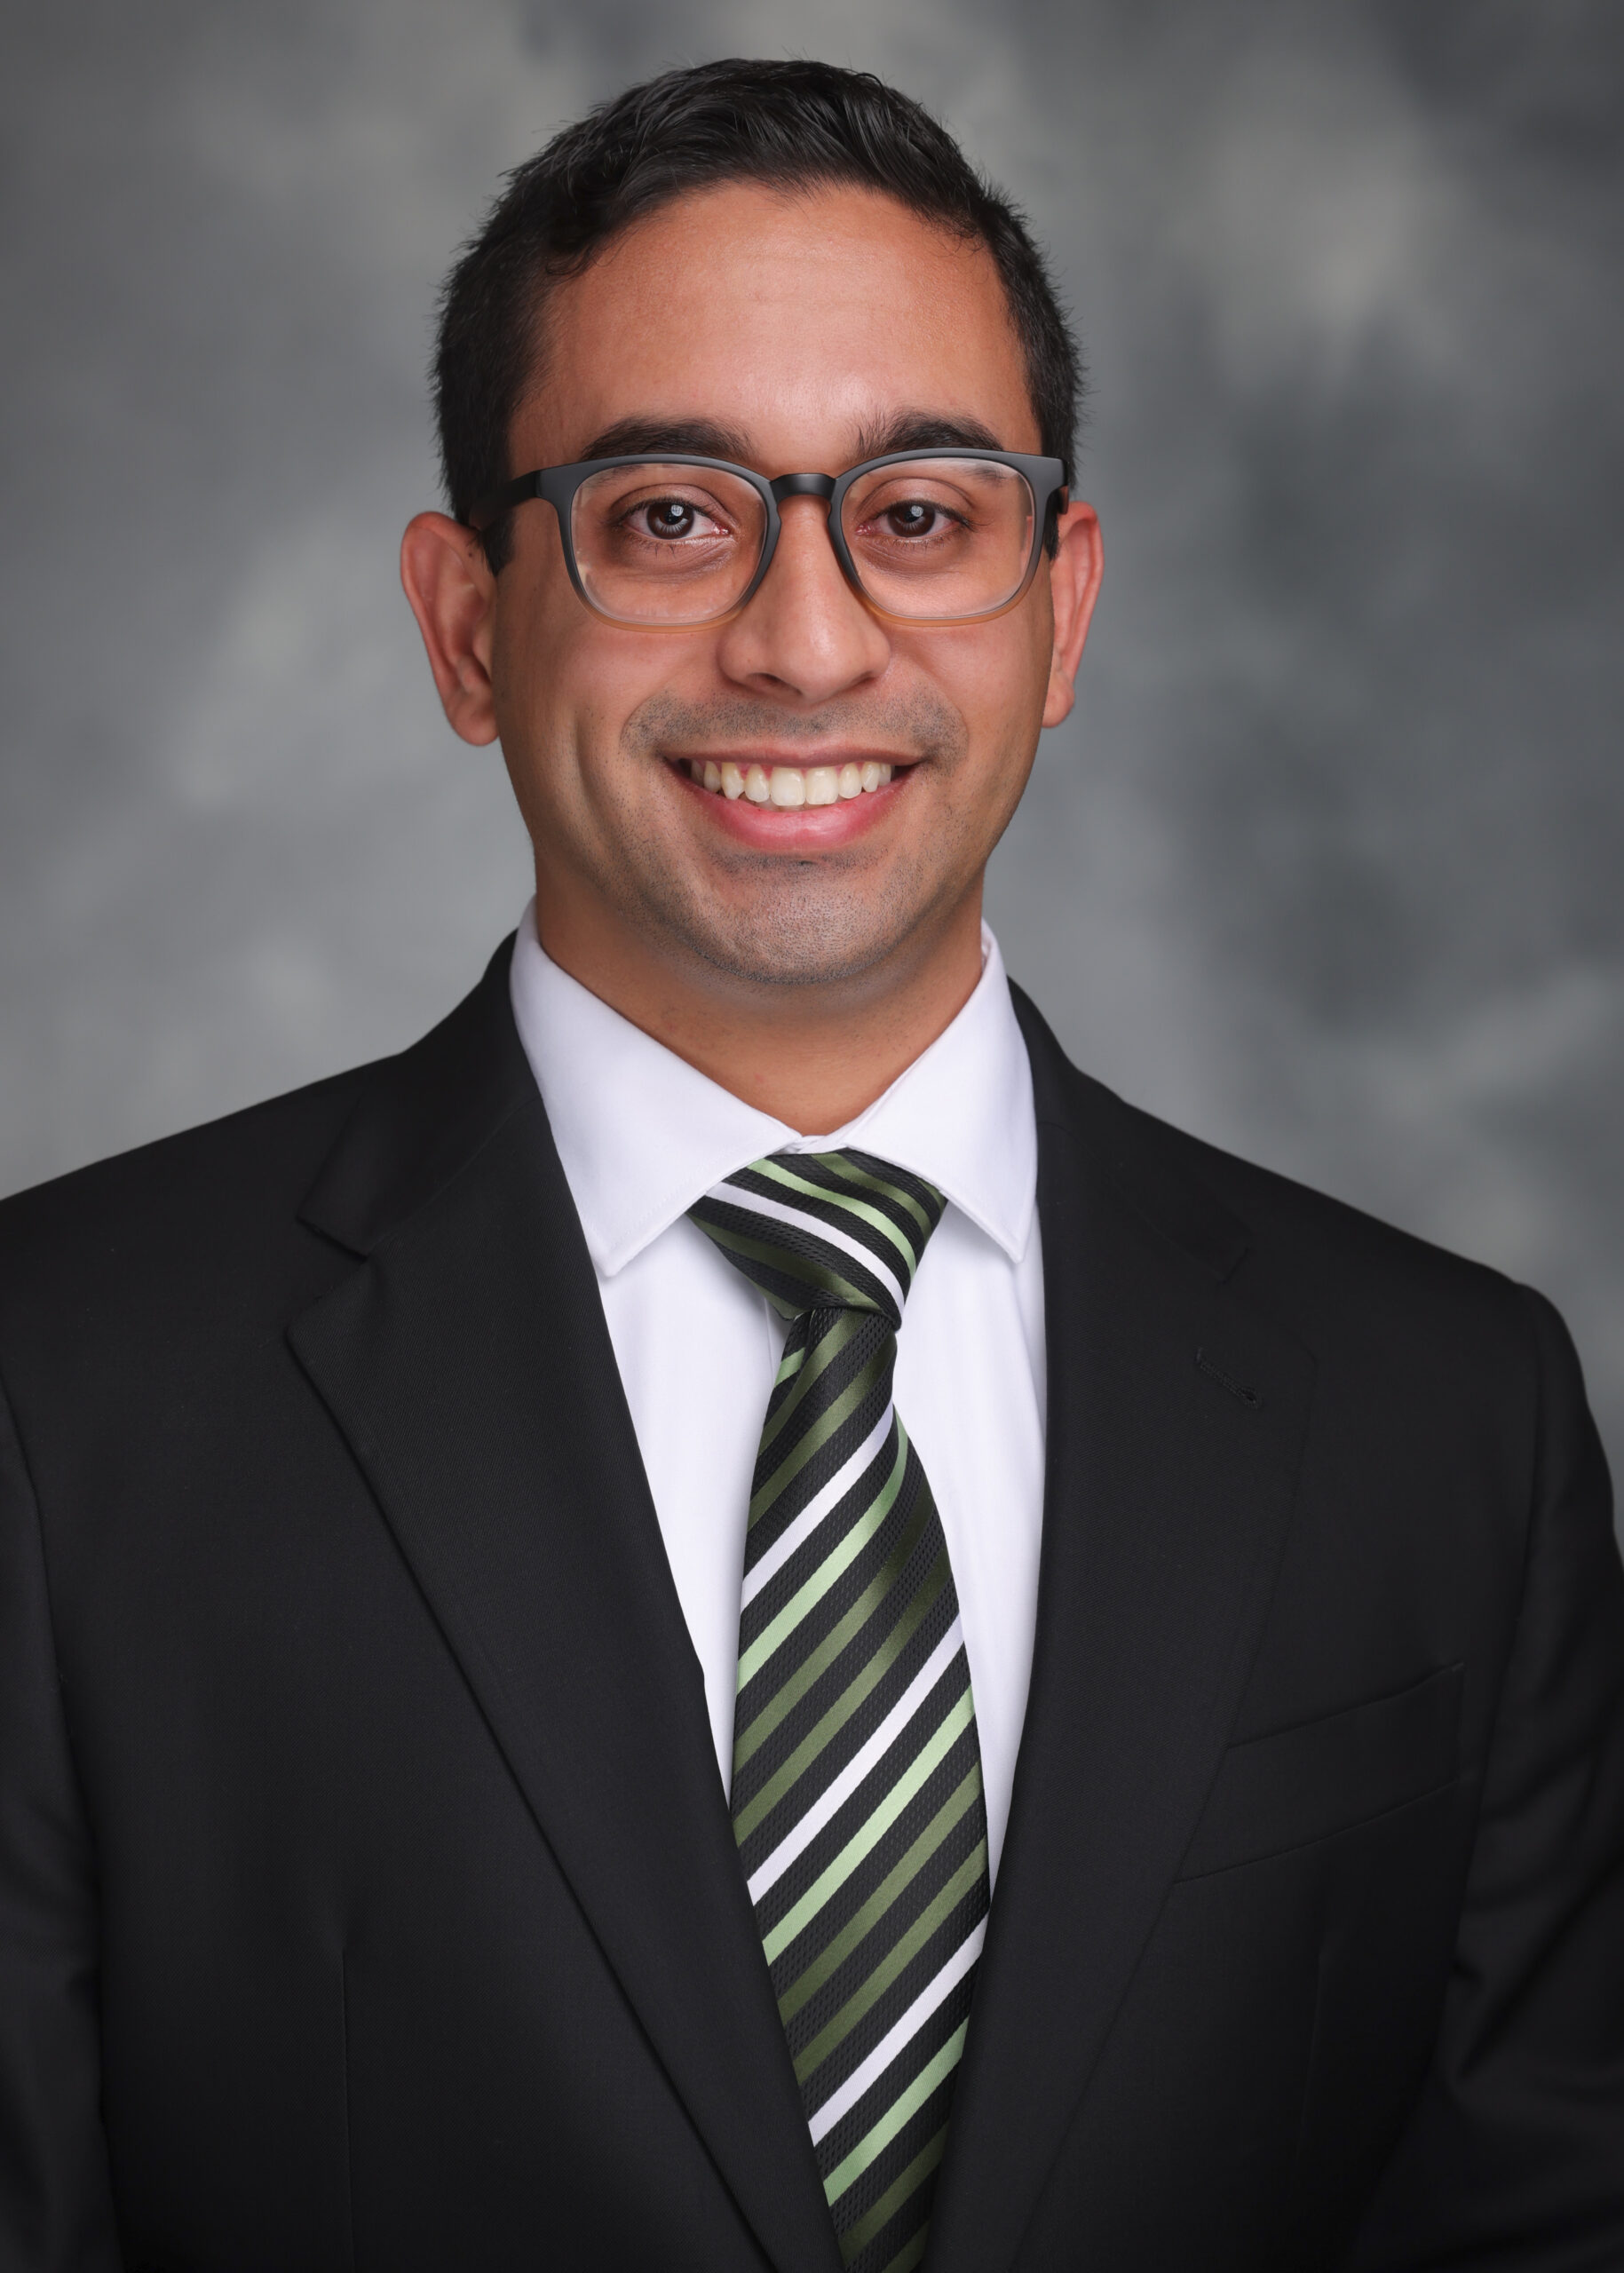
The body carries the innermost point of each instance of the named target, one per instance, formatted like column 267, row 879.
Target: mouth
column 789, row 788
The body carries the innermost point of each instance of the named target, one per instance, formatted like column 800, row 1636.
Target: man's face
column 790, row 334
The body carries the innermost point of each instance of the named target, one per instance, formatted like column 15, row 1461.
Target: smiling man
column 726, row 1618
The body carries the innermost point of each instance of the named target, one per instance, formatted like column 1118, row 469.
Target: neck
column 813, row 1057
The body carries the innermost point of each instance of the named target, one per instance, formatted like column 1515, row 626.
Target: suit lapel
column 1175, row 1418
column 467, row 1362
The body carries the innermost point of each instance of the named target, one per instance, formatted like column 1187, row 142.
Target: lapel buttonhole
column 1250, row 1397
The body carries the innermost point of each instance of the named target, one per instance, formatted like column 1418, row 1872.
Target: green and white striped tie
column 856, row 1798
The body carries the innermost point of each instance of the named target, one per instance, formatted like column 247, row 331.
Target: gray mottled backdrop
column 1328, row 866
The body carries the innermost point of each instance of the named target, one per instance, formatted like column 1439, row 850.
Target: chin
column 807, row 947
column 798, row 924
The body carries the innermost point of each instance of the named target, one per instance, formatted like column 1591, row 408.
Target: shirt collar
column 642, row 1135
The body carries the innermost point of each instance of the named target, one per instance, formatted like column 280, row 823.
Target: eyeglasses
column 926, row 536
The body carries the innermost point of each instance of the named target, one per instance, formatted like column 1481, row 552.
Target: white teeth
column 787, row 786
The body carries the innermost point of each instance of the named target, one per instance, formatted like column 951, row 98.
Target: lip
column 794, row 828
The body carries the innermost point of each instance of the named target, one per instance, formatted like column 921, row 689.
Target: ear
column 1073, row 584
column 449, row 583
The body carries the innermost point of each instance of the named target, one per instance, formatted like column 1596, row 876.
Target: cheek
column 995, row 676
column 552, row 669
column 569, row 688
column 523, row 633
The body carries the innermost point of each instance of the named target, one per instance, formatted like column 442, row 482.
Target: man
column 726, row 1617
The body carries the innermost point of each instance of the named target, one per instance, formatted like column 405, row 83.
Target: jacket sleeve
column 1514, row 2158
column 56, row 2206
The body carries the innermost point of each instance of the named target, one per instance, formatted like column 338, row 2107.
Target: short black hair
column 791, row 125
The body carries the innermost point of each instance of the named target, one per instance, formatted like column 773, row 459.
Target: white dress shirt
column 641, row 1135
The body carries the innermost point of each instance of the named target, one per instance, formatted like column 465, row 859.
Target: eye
column 911, row 523
column 672, row 519
column 912, row 516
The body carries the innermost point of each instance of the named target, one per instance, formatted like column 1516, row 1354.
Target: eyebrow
column 704, row 437
column 924, row 430
column 660, row 438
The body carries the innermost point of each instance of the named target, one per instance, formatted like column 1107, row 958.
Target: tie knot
column 824, row 1230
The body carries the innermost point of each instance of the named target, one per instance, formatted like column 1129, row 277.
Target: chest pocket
column 1298, row 1784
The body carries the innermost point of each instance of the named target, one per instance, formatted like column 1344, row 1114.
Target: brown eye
column 669, row 517
column 912, row 519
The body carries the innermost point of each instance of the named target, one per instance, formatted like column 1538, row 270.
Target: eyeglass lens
column 937, row 539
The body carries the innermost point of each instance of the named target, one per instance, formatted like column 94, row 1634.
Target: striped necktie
column 856, row 1798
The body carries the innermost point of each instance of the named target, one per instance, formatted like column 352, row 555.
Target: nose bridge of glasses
column 803, row 485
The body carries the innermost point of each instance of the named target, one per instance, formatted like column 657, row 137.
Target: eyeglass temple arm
column 492, row 506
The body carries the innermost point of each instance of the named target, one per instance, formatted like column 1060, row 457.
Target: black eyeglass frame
column 1045, row 477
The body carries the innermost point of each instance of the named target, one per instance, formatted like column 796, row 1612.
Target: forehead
column 800, row 322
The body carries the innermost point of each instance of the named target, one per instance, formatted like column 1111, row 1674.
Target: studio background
column 1326, row 867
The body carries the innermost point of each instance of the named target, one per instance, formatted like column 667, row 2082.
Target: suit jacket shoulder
column 1348, row 1283
column 233, row 1222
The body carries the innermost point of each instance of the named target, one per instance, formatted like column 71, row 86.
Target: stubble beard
column 784, row 924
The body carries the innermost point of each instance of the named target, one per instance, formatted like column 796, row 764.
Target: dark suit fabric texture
column 367, row 1892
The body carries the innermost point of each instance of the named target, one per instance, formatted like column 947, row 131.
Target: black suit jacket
column 367, row 1888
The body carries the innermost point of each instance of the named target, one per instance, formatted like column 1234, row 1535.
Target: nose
column 805, row 634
